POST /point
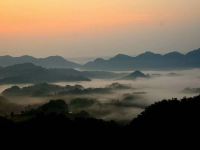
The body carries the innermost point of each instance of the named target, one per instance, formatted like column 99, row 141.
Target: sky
column 94, row 28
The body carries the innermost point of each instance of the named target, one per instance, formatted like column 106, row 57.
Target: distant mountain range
column 49, row 62
column 120, row 62
column 147, row 60
column 30, row 73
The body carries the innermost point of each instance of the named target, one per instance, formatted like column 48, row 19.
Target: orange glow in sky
column 53, row 18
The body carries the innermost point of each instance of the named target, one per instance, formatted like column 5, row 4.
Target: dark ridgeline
column 30, row 73
column 45, row 89
column 180, row 116
column 147, row 61
column 174, row 118
column 49, row 62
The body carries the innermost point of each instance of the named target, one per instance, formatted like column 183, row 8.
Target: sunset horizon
column 79, row 71
column 91, row 28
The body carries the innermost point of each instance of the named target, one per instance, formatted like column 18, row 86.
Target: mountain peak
column 99, row 60
column 135, row 75
column 174, row 53
column 27, row 56
column 48, row 62
column 56, row 57
column 119, row 57
column 148, row 54
column 194, row 53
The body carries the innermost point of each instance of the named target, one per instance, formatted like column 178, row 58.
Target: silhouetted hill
column 135, row 75
column 192, row 90
column 118, row 86
column 19, row 69
column 55, row 107
column 121, row 57
column 147, row 60
column 174, row 55
column 6, row 106
column 149, row 55
column 29, row 73
column 167, row 120
column 82, row 103
column 44, row 89
column 49, row 62
column 173, row 117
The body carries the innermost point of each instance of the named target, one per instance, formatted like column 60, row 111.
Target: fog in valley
column 120, row 104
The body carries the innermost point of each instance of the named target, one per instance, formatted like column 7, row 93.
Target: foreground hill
column 30, row 73
column 147, row 60
column 49, row 62
column 6, row 106
column 168, row 117
column 173, row 117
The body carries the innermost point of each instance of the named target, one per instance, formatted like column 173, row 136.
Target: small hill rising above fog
column 135, row 75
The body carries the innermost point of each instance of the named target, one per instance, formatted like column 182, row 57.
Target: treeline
column 167, row 117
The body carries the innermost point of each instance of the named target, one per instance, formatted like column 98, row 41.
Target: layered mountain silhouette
column 147, row 60
column 49, row 62
column 30, row 73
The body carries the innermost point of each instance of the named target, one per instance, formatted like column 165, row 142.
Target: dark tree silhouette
column 174, row 117
column 169, row 117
